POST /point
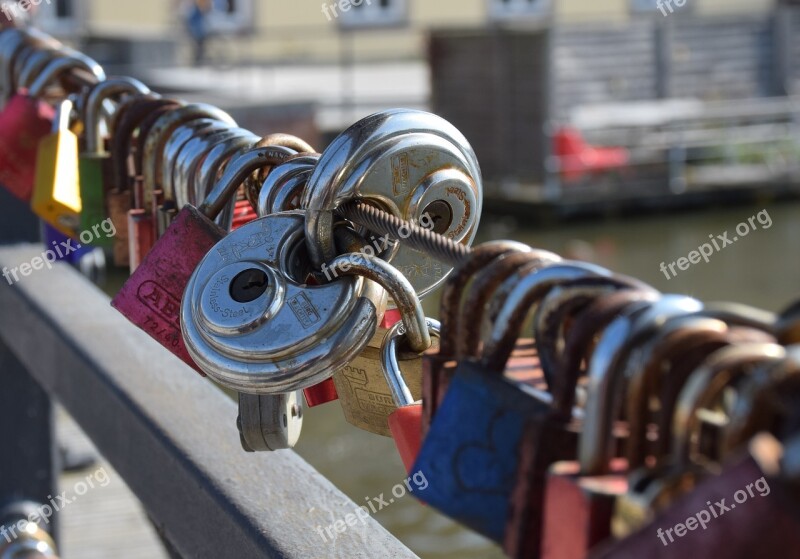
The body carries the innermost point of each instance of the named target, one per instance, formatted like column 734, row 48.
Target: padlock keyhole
column 249, row 285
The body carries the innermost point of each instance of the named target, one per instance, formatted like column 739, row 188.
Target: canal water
column 761, row 268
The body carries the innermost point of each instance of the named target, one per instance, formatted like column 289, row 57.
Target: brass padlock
column 363, row 391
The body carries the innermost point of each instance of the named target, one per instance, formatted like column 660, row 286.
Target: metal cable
column 418, row 238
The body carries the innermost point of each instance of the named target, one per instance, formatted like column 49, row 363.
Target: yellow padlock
column 56, row 193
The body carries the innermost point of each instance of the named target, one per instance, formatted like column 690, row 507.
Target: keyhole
column 441, row 214
column 249, row 285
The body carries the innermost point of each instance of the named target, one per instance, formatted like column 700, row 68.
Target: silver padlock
column 409, row 163
column 252, row 323
column 284, row 187
column 272, row 422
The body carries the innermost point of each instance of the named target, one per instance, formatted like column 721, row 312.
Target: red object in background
column 243, row 214
column 24, row 122
column 325, row 391
column 578, row 158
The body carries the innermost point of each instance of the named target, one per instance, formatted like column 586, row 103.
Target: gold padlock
column 56, row 194
column 364, row 392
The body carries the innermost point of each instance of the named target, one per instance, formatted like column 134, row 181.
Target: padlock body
column 470, row 454
column 92, row 174
column 24, row 123
column 364, row 392
column 151, row 298
column 56, row 194
column 119, row 204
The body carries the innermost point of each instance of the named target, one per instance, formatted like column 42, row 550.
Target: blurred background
column 623, row 132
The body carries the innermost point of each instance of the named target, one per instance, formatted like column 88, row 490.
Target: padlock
column 133, row 239
column 158, row 136
column 475, row 486
column 768, row 401
column 685, row 464
column 679, row 347
column 580, row 496
column 405, row 422
column 269, row 423
column 151, row 298
column 438, row 367
column 493, row 283
column 361, row 385
column 553, row 437
column 410, row 163
column 708, row 523
column 26, row 120
column 680, row 341
column 251, row 321
column 13, row 43
column 56, row 194
column 95, row 162
column 253, row 185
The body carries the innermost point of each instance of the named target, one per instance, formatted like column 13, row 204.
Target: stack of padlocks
column 626, row 412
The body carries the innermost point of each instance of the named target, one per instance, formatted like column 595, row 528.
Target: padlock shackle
column 63, row 117
column 736, row 314
column 775, row 381
column 487, row 285
column 235, row 174
column 705, row 385
column 107, row 89
column 399, row 288
column 40, row 58
column 605, row 382
column 452, row 290
column 217, row 159
column 72, row 61
column 301, row 164
column 184, row 135
column 678, row 336
column 515, row 300
column 401, row 394
column 579, row 345
column 160, row 132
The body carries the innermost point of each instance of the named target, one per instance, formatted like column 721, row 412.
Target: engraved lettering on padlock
column 400, row 181
column 304, row 310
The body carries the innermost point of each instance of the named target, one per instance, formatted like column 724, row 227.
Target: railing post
column 28, row 460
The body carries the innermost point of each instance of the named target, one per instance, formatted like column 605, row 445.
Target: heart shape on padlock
column 485, row 457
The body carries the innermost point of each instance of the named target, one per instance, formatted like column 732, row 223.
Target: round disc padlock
column 251, row 322
column 408, row 163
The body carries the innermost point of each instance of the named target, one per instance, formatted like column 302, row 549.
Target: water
column 760, row 269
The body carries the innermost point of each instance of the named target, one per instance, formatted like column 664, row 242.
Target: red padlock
column 405, row 423
column 24, row 123
column 26, row 120
column 151, row 298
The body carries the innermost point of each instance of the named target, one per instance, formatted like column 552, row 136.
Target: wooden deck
column 106, row 521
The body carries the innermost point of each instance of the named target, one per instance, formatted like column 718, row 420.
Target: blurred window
column 59, row 17
column 370, row 13
column 231, row 16
column 507, row 9
column 659, row 7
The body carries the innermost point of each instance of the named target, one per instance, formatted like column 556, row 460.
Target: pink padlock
column 151, row 298
column 24, row 122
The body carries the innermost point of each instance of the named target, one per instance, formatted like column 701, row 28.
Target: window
column 659, row 7
column 231, row 16
column 58, row 17
column 509, row 9
column 369, row 13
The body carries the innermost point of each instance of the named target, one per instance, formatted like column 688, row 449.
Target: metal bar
column 170, row 433
column 29, row 460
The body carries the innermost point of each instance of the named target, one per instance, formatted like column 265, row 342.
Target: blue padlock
column 471, row 453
